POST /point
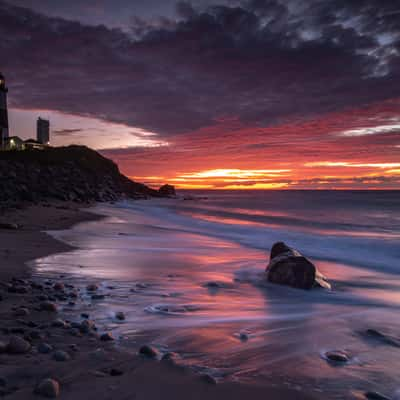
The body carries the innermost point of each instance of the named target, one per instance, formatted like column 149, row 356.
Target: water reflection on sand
column 206, row 298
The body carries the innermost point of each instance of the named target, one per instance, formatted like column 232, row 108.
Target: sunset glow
column 249, row 104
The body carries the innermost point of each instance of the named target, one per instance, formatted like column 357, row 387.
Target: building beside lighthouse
column 43, row 131
column 3, row 112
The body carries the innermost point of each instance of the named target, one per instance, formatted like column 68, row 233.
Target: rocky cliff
column 74, row 173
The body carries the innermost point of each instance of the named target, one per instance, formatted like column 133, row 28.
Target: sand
column 88, row 372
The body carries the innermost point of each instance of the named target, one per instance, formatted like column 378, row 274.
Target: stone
column 21, row 312
column 86, row 326
column 58, row 323
column 58, row 286
column 120, row 316
column 48, row 306
column 49, row 388
column 84, row 315
column 17, row 345
column 383, row 338
column 44, row 348
column 98, row 296
column 74, row 347
column 167, row 191
column 9, row 226
column 106, row 337
column 337, row 356
column 288, row 267
column 61, row 355
column 149, row 351
column 116, row 372
column 209, row 379
column 375, row 396
column 3, row 347
column 35, row 334
column 92, row 287
column 170, row 357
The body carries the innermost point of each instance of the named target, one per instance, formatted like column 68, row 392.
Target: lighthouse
column 3, row 112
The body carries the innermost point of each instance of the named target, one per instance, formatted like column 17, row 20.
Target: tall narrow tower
column 3, row 112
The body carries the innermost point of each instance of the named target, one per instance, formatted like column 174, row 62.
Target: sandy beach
column 91, row 367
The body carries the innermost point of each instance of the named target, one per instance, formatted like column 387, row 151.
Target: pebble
column 58, row 323
column 120, row 315
column 84, row 315
column 170, row 357
column 149, row 351
column 58, row 286
column 106, row 337
column 74, row 347
column 92, row 287
column 375, row 396
column 338, row 356
column 86, row 326
column 21, row 312
column 3, row 347
column 209, row 379
column 48, row 306
column 49, row 388
column 35, row 334
column 44, row 348
column 61, row 355
column 116, row 372
column 17, row 345
column 98, row 296
column 99, row 374
column 75, row 332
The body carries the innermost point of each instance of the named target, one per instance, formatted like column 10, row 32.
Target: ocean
column 189, row 275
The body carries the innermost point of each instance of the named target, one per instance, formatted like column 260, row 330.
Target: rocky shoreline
column 46, row 352
column 73, row 173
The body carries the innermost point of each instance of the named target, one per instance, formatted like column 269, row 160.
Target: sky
column 214, row 94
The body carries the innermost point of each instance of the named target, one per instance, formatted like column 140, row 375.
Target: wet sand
column 96, row 369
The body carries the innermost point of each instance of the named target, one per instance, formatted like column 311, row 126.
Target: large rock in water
column 288, row 267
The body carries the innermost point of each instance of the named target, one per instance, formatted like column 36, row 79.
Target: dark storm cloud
column 262, row 61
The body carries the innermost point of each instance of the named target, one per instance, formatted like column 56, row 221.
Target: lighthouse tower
column 3, row 112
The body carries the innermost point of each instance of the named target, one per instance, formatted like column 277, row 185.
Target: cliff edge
column 73, row 173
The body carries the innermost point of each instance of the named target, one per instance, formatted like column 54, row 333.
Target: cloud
column 372, row 130
column 67, row 132
column 260, row 61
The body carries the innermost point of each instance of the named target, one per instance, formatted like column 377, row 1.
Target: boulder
column 288, row 267
column 167, row 191
column 49, row 388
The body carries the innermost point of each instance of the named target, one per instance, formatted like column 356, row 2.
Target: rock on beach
column 288, row 267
